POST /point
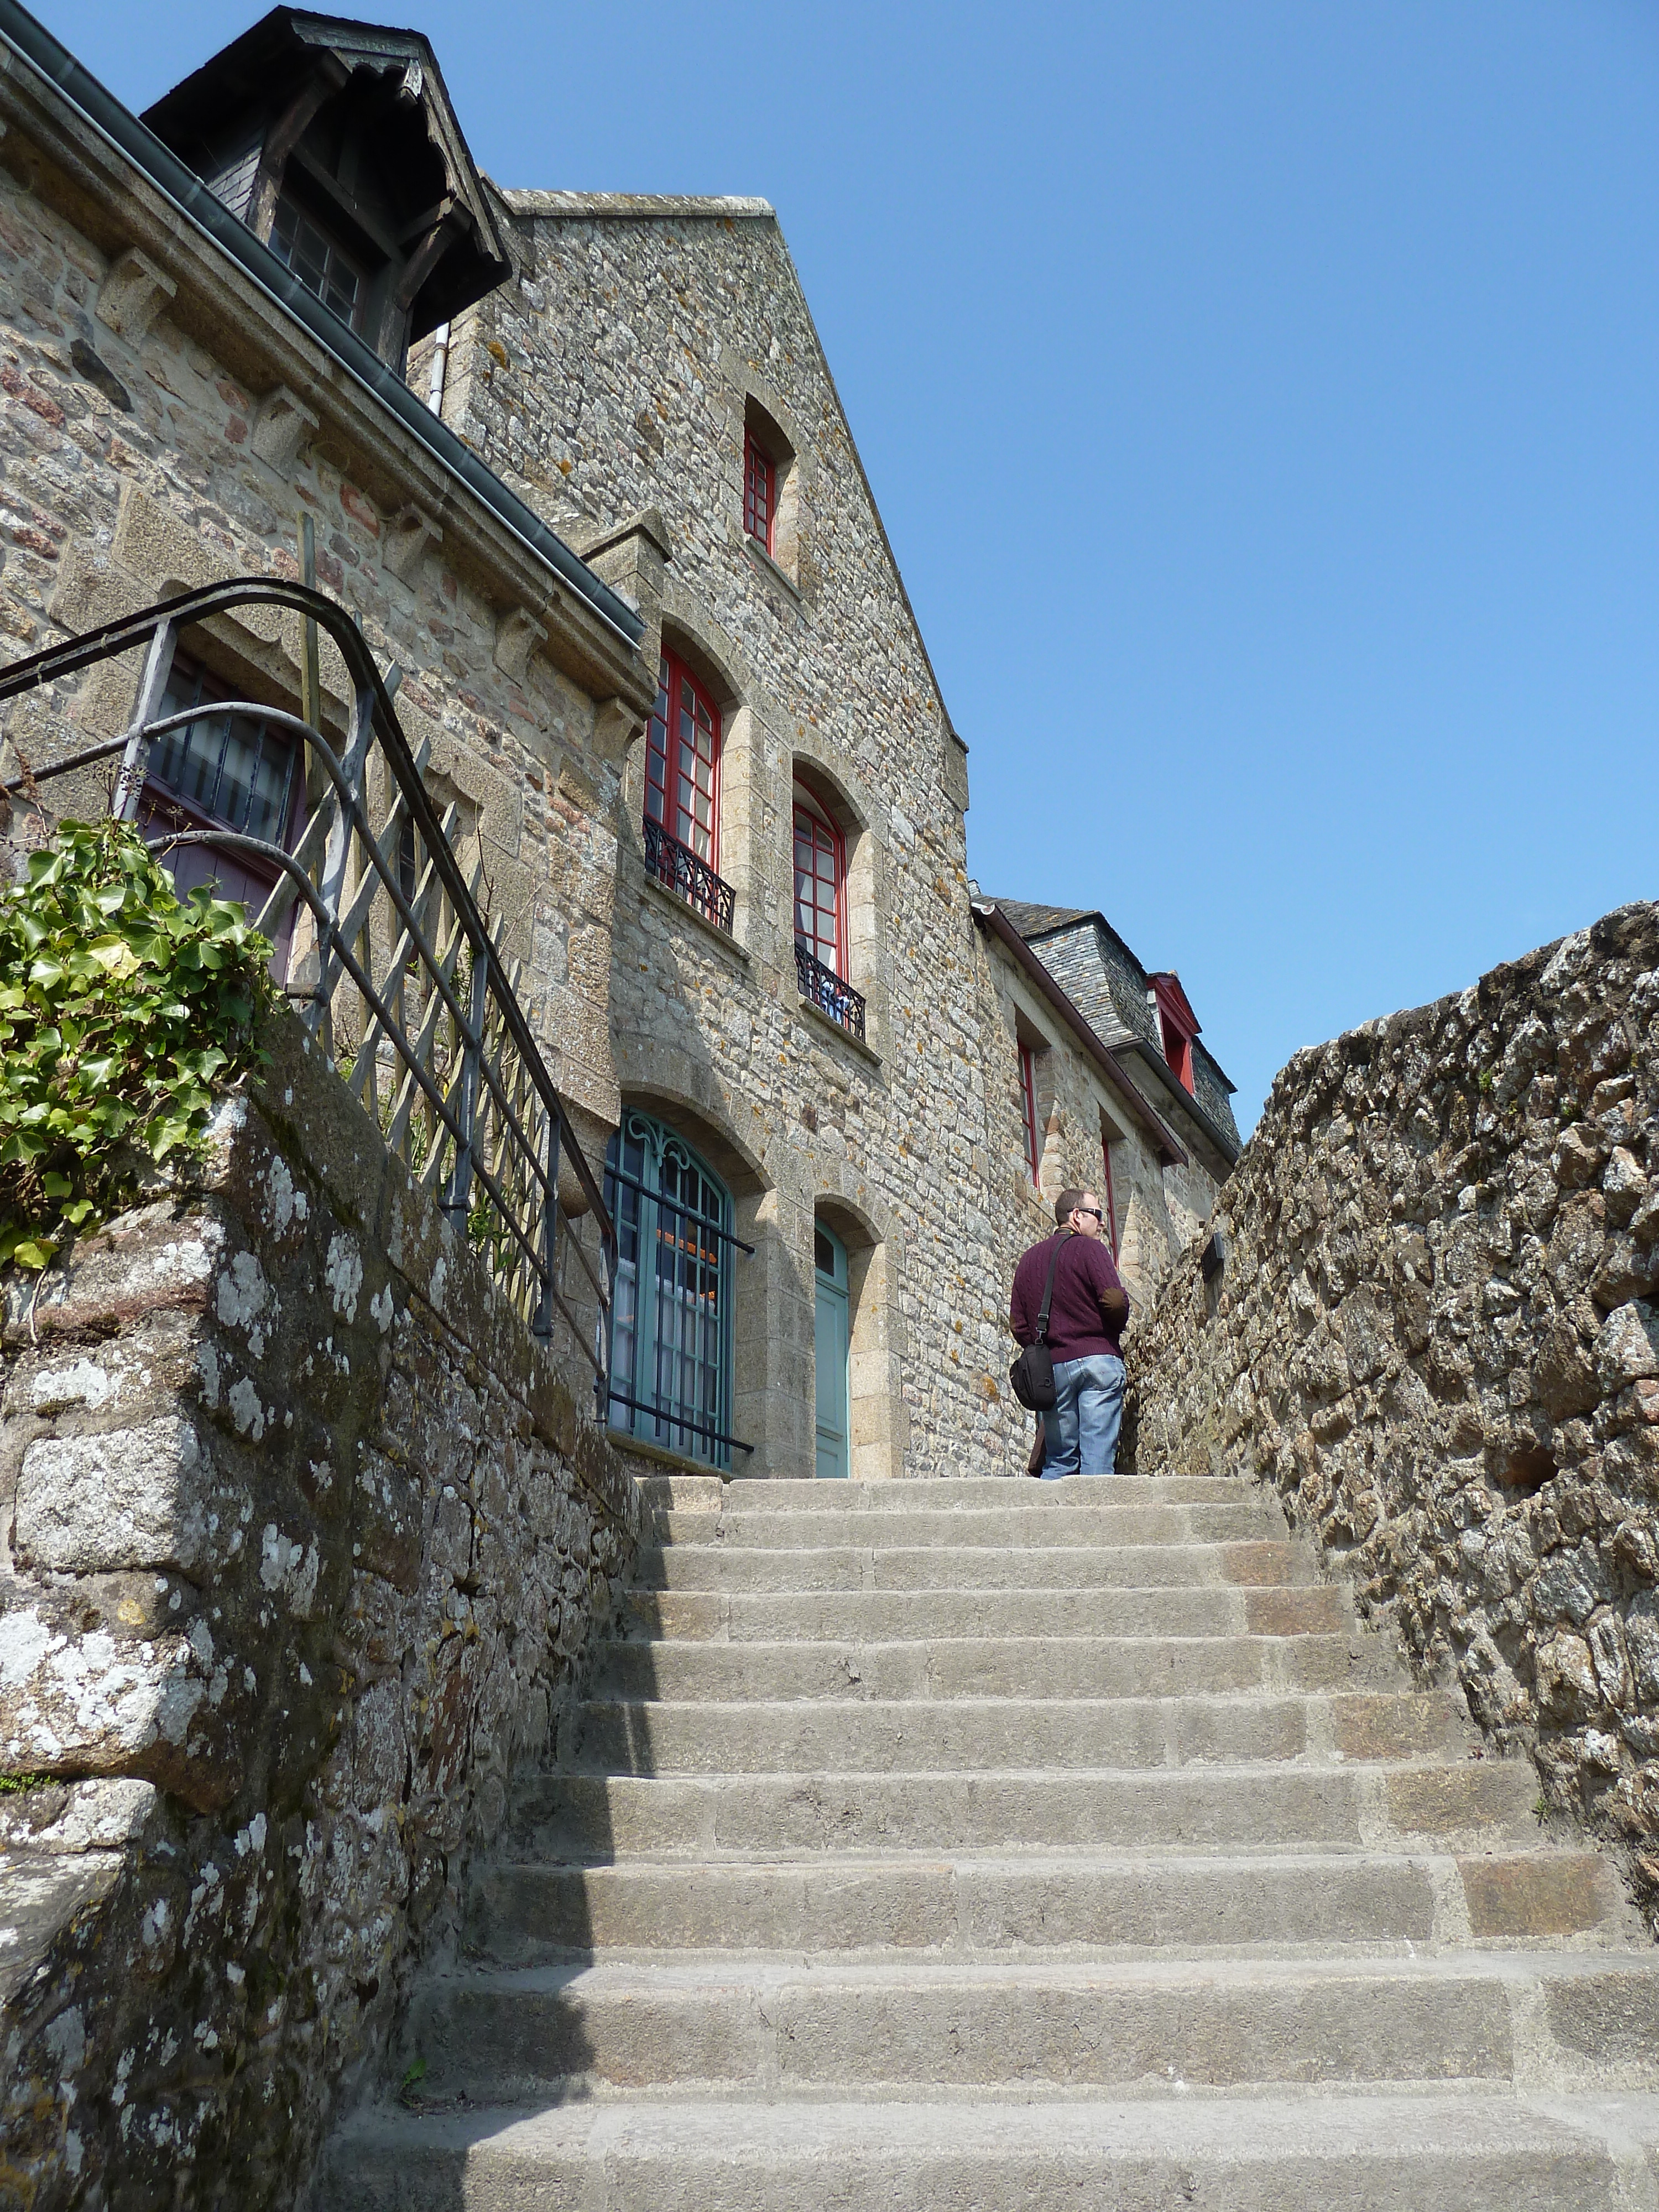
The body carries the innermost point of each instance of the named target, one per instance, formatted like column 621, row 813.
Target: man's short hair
column 1067, row 1204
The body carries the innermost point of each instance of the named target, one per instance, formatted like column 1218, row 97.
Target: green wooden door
column 831, row 1339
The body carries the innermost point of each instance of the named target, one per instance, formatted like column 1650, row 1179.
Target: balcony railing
column 390, row 963
column 678, row 867
column 828, row 993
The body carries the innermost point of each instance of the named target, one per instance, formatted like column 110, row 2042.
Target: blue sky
column 1263, row 403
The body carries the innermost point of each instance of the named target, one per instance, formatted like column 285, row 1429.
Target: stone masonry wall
column 610, row 386
column 304, row 1538
column 141, row 459
column 1436, row 1335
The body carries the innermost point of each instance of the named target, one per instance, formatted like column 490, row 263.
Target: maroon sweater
column 1077, row 1327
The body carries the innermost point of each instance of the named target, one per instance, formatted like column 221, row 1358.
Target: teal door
column 831, row 1345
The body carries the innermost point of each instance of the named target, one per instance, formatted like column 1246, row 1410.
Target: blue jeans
column 1080, row 1433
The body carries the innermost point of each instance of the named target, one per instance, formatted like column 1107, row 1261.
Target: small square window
column 320, row 265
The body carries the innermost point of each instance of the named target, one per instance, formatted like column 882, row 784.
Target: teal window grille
column 670, row 1334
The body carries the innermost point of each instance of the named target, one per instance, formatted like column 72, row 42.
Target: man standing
column 1085, row 1317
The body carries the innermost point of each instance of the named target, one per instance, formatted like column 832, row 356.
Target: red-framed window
column 1111, row 1203
column 1028, row 1102
column 1177, row 1026
column 683, row 761
column 820, row 884
column 760, row 491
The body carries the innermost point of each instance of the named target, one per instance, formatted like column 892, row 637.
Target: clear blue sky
column 1263, row 402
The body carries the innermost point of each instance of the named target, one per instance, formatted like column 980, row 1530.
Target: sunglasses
column 1093, row 1211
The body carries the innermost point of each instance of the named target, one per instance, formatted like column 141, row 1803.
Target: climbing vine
column 121, row 1007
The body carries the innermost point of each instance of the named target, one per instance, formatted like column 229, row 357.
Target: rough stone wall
column 303, row 1541
column 137, row 462
column 611, row 384
column 1436, row 1334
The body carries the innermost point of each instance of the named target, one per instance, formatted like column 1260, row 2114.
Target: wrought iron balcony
column 681, row 870
column 828, row 993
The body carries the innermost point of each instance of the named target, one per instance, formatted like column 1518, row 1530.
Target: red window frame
column 1111, row 1203
column 1028, row 1101
column 1178, row 1052
column 683, row 761
column 760, row 491
column 820, row 865
column 1177, row 1026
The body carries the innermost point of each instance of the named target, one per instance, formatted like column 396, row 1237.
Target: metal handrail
column 493, row 1116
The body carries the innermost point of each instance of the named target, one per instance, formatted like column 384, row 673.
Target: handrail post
column 459, row 1190
column 544, row 1321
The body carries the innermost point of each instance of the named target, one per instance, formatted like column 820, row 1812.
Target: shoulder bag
column 1032, row 1374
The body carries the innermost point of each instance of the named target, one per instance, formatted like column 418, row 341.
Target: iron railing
column 682, row 871
column 828, row 993
column 390, row 961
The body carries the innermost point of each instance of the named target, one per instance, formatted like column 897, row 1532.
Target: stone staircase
column 989, row 1842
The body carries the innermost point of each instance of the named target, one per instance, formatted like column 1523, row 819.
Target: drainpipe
column 435, row 395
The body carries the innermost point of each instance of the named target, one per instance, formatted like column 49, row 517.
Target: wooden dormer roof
column 352, row 119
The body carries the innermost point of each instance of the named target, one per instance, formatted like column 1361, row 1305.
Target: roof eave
column 989, row 916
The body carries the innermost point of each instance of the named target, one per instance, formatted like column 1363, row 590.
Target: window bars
column 391, row 962
column 828, row 993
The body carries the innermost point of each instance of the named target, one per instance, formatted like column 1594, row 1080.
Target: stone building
column 1072, row 1114
column 578, row 465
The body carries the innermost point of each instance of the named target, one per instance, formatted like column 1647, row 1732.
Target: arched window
column 682, row 793
column 683, row 761
column 820, row 884
column 670, row 1341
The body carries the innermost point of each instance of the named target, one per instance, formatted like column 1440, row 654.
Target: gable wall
column 614, row 380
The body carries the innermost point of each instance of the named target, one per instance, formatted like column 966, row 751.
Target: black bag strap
column 1042, row 1336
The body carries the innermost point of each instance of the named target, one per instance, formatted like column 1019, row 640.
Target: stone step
column 1011, row 1527
column 893, row 1616
column 1468, row 2149
column 712, row 1493
column 604, row 1817
column 988, row 1567
column 507, row 2038
column 845, row 1736
column 993, row 1667
column 1097, row 1903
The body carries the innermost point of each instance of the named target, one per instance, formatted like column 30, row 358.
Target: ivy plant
column 122, row 1008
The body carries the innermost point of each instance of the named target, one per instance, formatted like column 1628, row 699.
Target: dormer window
column 1177, row 1025
column 317, row 261
column 335, row 143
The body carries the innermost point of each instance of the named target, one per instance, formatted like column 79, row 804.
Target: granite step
column 1008, row 1527
column 1465, row 2149
column 715, row 1566
column 835, row 1735
column 977, row 2024
column 989, row 1667
column 896, row 1616
column 585, row 1818
column 1095, row 1902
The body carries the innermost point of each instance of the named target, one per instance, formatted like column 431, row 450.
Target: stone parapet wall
column 1435, row 1334
column 305, row 1538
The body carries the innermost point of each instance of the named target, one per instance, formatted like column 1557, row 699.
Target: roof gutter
column 34, row 45
column 991, row 917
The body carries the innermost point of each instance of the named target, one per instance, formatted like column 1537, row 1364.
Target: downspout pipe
column 34, row 46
